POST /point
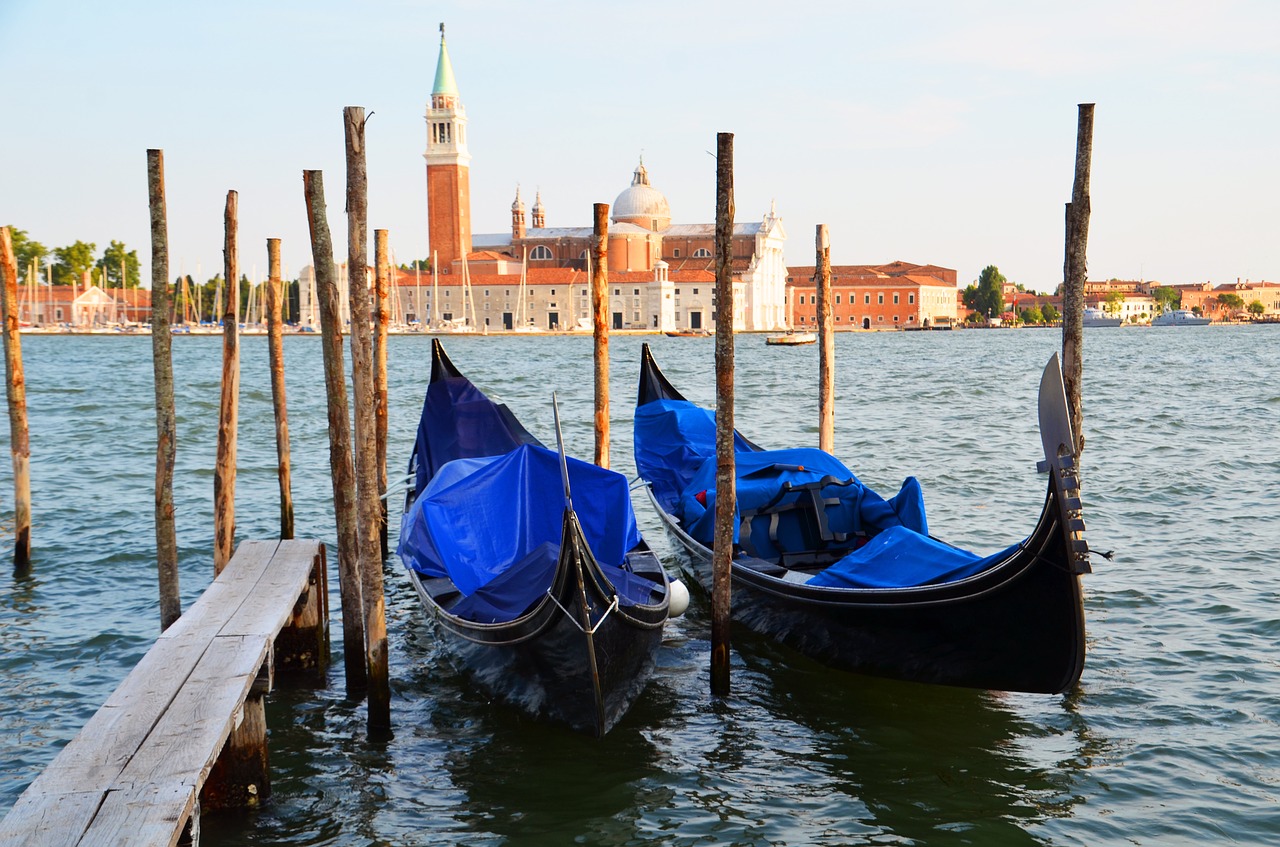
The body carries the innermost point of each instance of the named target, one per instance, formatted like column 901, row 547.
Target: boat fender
column 701, row 497
column 679, row 599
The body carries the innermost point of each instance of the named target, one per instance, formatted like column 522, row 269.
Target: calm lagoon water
column 1171, row 738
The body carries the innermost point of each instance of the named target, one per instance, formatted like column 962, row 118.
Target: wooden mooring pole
column 275, row 347
column 166, row 415
column 826, row 342
column 341, row 470
column 224, row 470
column 1075, row 269
column 382, row 318
column 600, row 329
column 368, row 503
column 726, row 469
column 16, row 390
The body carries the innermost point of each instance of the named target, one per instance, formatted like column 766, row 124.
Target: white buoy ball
column 679, row 599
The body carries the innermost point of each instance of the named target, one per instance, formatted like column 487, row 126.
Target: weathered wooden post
column 16, row 389
column 275, row 346
column 600, row 329
column 726, row 467
column 166, row 416
column 343, row 474
column 368, row 503
column 224, row 470
column 827, row 344
column 1075, row 269
column 382, row 284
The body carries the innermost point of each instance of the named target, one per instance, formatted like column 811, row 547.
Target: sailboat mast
column 417, row 284
column 435, row 287
column 524, row 269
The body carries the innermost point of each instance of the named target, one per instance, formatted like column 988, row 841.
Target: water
column 1171, row 737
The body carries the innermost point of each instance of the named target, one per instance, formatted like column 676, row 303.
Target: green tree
column 424, row 265
column 112, row 259
column 1050, row 313
column 25, row 250
column 1111, row 305
column 988, row 296
column 1257, row 309
column 72, row 262
column 1167, row 298
column 1033, row 315
column 1230, row 300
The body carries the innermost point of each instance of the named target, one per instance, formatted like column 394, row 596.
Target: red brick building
column 899, row 295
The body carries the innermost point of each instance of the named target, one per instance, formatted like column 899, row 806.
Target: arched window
column 542, row 251
column 702, row 253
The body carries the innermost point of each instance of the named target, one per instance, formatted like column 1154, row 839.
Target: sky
column 927, row 132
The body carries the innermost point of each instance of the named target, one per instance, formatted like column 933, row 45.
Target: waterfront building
column 74, row 306
column 899, row 295
column 1205, row 298
column 661, row 274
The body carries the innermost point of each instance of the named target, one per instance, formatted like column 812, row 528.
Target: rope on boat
column 574, row 620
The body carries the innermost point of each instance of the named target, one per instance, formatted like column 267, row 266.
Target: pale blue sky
column 927, row 132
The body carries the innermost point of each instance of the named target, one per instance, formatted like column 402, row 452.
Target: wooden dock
column 187, row 729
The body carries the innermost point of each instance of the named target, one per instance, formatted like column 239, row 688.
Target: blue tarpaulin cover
column 675, row 452
column 672, row 440
column 460, row 422
column 493, row 525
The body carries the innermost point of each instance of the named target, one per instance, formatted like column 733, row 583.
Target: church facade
column 661, row 274
column 534, row 276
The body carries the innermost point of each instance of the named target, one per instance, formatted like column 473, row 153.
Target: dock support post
column 16, row 390
column 368, row 504
column 600, row 328
column 275, row 346
column 826, row 342
column 382, row 318
column 726, row 493
column 1074, row 273
column 224, row 471
column 302, row 647
column 241, row 776
column 166, row 416
column 340, row 466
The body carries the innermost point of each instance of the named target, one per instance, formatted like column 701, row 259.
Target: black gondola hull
column 1016, row 626
column 540, row 663
column 579, row 656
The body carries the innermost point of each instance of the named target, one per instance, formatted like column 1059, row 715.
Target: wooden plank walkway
column 186, row 728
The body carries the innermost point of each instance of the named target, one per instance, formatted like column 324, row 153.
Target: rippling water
column 1171, row 738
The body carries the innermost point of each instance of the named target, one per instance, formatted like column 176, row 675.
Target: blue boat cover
column 493, row 525
column 899, row 558
column 672, row 440
column 761, row 476
column 675, row 452
column 460, row 422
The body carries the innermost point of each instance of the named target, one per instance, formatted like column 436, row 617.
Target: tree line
column 117, row 267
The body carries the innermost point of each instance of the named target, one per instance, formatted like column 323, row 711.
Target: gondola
column 825, row 565
column 554, row 609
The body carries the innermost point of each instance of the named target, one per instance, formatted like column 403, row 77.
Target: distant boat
column 790, row 338
column 1179, row 317
column 688, row 333
column 1096, row 317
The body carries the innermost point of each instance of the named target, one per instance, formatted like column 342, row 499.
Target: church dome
column 642, row 204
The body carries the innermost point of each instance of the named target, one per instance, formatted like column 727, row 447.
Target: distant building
column 661, row 275
column 81, row 306
column 1204, row 297
column 899, row 295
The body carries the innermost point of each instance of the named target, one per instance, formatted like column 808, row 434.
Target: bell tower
column 448, row 168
